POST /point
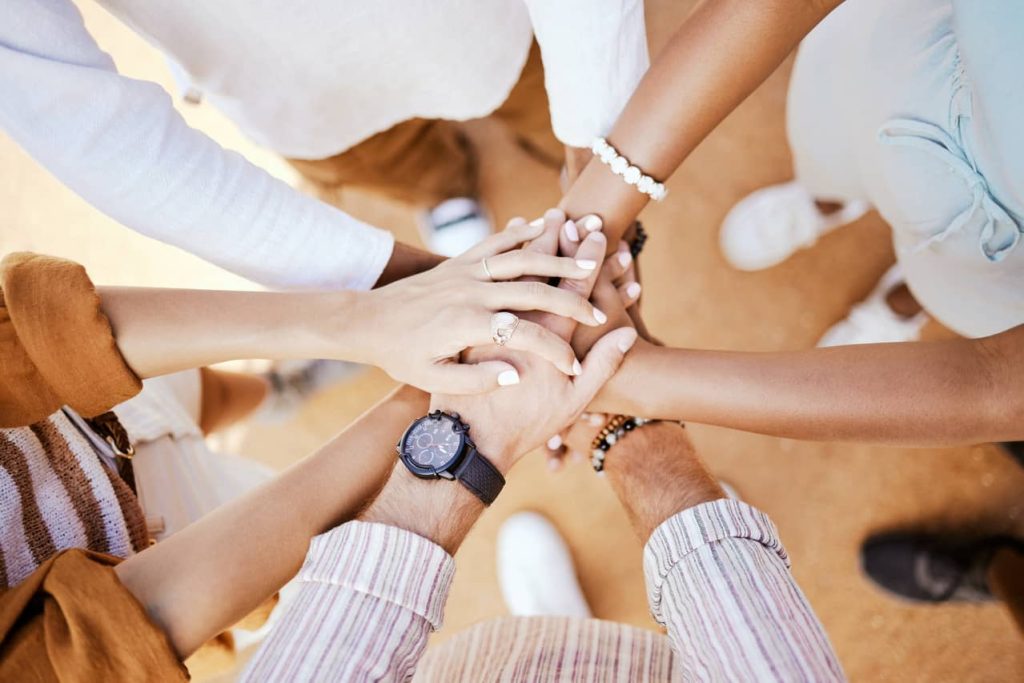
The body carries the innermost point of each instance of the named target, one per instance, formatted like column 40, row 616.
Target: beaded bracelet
column 622, row 167
column 610, row 434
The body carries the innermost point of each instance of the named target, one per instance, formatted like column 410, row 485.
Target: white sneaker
column 535, row 569
column 872, row 321
column 454, row 225
column 768, row 226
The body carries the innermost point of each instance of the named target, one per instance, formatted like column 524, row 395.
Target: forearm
column 246, row 550
column 160, row 331
column 923, row 394
column 720, row 54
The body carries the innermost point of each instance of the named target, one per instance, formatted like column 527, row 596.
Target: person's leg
column 228, row 397
column 527, row 114
column 1006, row 578
column 421, row 162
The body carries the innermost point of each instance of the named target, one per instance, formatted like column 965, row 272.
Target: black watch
column 438, row 446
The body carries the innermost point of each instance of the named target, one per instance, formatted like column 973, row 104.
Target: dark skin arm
column 407, row 260
column 721, row 53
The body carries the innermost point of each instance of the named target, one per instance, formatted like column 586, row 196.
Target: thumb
column 601, row 363
column 473, row 378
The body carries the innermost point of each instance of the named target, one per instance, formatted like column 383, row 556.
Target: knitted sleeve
column 56, row 345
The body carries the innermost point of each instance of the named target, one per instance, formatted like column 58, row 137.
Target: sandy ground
column 825, row 498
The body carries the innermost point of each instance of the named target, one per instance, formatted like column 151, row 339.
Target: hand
column 614, row 293
column 508, row 423
column 416, row 328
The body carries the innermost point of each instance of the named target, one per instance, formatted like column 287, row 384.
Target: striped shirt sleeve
column 369, row 595
column 718, row 578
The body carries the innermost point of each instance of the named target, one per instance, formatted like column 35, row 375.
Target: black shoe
column 933, row 568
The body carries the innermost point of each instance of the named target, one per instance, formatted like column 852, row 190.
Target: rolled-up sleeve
column 369, row 595
column 718, row 578
column 595, row 53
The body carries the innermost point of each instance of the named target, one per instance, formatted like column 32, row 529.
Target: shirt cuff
column 385, row 562
column 64, row 334
column 702, row 525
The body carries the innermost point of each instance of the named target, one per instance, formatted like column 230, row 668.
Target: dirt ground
column 824, row 497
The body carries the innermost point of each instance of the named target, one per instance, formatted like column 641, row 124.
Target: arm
column 120, row 144
column 720, row 54
column 247, row 549
column 923, row 393
column 717, row 575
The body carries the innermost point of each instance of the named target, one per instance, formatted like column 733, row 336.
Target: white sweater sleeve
column 595, row 53
column 120, row 144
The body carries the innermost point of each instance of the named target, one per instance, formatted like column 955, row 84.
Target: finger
column 591, row 248
column 618, row 264
column 590, row 223
column 539, row 340
column 568, row 238
column 602, row 362
column 538, row 296
column 515, row 264
column 547, row 241
column 629, row 293
column 472, row 378
column 555, row 453
column 516, row 232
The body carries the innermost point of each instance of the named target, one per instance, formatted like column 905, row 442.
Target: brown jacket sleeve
column 73, row 620
column 56, row 345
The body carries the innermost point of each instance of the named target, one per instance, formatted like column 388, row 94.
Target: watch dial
column 433, row 443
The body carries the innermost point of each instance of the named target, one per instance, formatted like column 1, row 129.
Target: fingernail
column 595, row 238
column 554, row 464
column 633, row 290
column 537, row 223
column 591, row 223
column 586, row 264
column 597, row 419
column 600, row 317
column 625, row 343
column 554, row 443
column 508, row 378
column 571, row 233
column 625, row 258
column 577, row 369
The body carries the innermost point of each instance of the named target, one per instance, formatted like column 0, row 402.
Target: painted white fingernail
column 571, row 233
column 586, row 264
column 597, row 419
column 633, row 290
column 554, row 443
column 537, row 223
column 577, row 369
column 592, row 223
column 625, row 343
column 596, row 238
column 600, row 317
column 508, row 378
column 625, row 258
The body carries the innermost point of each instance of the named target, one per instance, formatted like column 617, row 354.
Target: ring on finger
column 503, row 326
column 487, row 270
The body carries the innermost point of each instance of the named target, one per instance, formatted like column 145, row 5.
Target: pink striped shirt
column 717, row 578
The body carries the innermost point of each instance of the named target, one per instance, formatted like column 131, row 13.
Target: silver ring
column 503, row 326
column 487, row 270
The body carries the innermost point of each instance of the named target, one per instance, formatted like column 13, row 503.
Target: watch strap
column 479, row 476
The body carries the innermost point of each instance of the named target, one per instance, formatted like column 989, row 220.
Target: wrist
column 342, row 325
column 439, row 510
column 657, row 473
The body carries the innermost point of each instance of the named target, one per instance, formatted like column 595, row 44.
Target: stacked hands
column 573, row 303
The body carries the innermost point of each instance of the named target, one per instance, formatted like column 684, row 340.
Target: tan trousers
column 425, row 161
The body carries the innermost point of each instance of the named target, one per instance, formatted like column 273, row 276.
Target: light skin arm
column 937, row 393
column 224, row 554
column 721, row 53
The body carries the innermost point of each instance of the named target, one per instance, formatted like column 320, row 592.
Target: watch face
column 433, row 443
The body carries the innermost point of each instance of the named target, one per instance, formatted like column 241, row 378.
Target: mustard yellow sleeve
column 56, row 344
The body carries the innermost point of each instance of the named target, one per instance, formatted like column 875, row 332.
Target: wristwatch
column 437, row 446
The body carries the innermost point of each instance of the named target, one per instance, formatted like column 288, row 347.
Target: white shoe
column 768, row 226
column 535, row 569
column 872, row 321
column 454, row 225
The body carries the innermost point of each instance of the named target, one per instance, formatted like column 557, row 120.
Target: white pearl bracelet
column 621, row 167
